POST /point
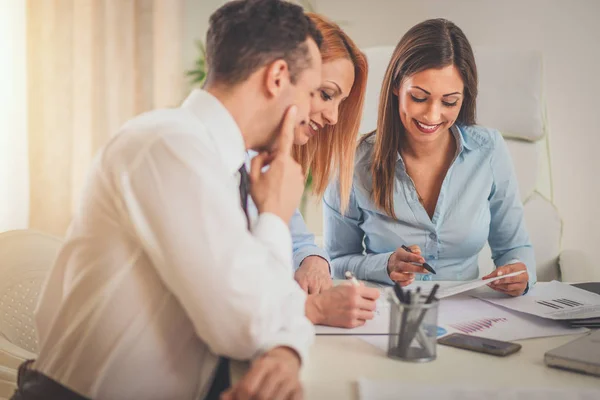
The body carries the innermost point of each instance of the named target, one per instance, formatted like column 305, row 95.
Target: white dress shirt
column 159, row 273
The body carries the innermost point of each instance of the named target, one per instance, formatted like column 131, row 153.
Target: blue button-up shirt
column 303, row 241
column 479, row 200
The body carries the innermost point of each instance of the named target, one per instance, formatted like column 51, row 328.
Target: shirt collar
column 461, row 140
column 461, row 143
column 220, row 125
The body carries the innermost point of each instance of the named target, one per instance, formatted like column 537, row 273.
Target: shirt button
column 433, row 236
column 427, row 277
column 434, row 256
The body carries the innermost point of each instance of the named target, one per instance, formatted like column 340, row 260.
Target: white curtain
column 14, row 169
column 92, row 64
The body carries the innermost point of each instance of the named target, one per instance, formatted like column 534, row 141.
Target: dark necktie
column 222, row 380
column 244, row 191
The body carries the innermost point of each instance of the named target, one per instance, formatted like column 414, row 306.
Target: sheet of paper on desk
column 379, row 325
column 471, row 316
column 382, row 390
column 451, row 288
column 553, row 300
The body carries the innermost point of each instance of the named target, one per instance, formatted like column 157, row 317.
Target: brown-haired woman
column 428, row 176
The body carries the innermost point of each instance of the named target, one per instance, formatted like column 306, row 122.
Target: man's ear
column 277, row 77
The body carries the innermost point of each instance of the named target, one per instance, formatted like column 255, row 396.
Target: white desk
column 336, row 363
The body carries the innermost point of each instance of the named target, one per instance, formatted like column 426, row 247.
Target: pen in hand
column 425, row 265
column 351, row 278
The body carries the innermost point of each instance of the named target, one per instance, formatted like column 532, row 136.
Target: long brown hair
column 332, row 150
column 435, row 43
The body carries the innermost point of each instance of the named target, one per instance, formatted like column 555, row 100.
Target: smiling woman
column 337, row 110
column 429, row 177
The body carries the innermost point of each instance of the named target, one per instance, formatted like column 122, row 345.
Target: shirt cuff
column 377, row 268
column 291, row 341
column 275, row 234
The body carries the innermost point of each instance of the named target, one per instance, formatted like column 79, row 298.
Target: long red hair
column 332, row 150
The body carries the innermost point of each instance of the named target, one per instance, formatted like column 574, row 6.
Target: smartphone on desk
column 482, row 345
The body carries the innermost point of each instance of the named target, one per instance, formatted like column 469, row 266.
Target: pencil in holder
column 413, row 329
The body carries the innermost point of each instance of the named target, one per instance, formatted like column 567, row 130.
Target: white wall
column 14, row 172
column 568, row 35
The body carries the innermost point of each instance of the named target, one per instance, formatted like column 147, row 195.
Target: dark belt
column 33, row 385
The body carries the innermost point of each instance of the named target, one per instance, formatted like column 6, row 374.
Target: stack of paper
column 498, row 317
column 471, row 316
column 552, row 300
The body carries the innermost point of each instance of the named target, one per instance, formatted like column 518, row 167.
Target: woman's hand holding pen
column 401, row 267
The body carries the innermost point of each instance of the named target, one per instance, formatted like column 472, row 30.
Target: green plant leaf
column 198, row 73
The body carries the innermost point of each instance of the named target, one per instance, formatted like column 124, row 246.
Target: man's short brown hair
column 245, row 35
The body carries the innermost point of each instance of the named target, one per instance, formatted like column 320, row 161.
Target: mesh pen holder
column 413, row 329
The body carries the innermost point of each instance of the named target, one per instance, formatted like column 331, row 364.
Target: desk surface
column 337, row 362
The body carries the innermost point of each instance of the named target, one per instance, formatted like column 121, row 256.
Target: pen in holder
column 413, row 325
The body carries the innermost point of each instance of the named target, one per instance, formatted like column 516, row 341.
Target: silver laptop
column 581, row 355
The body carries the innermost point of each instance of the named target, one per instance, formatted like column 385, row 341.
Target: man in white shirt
column 160, row 280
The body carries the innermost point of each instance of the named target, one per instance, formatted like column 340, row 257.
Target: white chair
column 25, row 258
column 510, row 100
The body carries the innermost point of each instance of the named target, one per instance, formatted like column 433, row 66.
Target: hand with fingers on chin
column 513, row 285
column 278, row 190
column 343, row 306
column 275, row 375
column 401, row 265
column 313, row 275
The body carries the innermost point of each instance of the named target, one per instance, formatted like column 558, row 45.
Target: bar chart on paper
column 559, row 304
column 478, row 325
column 552, row 300
column 471, row 316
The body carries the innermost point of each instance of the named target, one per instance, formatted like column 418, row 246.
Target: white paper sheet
column 552, row 300
column 382, row 390
column 471, row 316
column 448, row 289
column 379, row 325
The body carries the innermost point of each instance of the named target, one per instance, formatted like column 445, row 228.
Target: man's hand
column 279, row 189
column 313, row 275
column 401, row 268
column 514, row 285
column 343, row 306
column 275, row 375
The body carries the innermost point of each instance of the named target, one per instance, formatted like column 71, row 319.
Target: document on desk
column 552, row 300
column 384, row 390
column 451, row 288
column 379, row 325
column 471, row 316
